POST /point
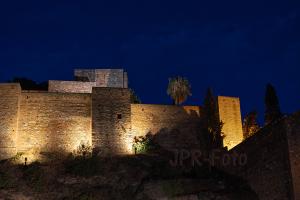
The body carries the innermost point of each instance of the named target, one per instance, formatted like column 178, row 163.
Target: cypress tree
column 272, row 108
column 211, row 122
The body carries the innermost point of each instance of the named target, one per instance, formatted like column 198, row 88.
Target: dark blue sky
column 236, row 47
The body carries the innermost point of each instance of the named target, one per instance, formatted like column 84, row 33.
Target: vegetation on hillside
column 144, row 144
column 118, row 177
column 250, row 125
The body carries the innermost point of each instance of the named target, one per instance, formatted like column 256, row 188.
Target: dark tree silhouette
column 28, row 84
column 134, row 97
column 250, row 125
column 272, row 108
column 211, row 122
column 179, row 89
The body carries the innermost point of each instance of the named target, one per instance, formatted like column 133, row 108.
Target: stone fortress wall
column 70, row 86
column 74, row 113
column 174, row 126
column 53, row 121
column 9, row 113
column 272, row 169
column 111, row 124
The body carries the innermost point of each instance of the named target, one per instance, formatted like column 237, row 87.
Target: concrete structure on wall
column 116, row 78
column 96, row 110
column 86, row 79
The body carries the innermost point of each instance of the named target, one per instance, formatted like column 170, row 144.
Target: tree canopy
column 28, row 84
column 179, row 89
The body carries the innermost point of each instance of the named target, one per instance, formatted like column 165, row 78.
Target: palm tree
column 179, row 89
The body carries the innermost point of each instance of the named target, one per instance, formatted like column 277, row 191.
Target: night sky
column 235, row 47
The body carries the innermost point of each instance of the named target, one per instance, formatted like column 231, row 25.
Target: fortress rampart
column 9, row 112
column 72, row 113
column 53, row 121
column 272, row 168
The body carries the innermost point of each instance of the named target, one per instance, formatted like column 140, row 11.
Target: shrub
column 83, row 150
column 82, row 165
column 17, row 158
column 144, row 144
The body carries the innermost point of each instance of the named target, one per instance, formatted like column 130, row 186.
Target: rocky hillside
column 132, row 177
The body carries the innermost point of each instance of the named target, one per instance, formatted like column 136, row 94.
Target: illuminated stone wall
column 60, row 120
column 230, row 115
column 53, row 121
column 115, row 78
column 9, row 104
column 174, row 126
column 111, row 122
column 71, row 86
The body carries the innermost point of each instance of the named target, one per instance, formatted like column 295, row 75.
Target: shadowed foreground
column 134, row 177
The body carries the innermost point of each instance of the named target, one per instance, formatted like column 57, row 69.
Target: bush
column 82, row 166
column 144, row 144
column 17, row 158
column 83, row 150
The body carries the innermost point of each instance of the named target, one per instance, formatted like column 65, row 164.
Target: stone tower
column 230, row 115
column 111, row 120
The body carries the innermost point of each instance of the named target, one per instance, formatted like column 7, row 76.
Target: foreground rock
column 139, row 177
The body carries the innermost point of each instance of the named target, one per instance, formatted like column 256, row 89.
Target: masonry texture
column 174, row 126
column 71, row 86
column 53, row 121
column 230, row 115
column 9, row 108
column 272, row 168
column 115, row 78
column 111, row 120
column 95, row 110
